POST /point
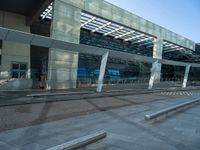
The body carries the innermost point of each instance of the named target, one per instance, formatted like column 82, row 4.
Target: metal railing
column 193, row 82
column 92, row 82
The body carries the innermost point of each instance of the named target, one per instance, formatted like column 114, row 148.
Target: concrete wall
column 106, row 10
column 62, row 67
column 13, row 52
column 157, row 53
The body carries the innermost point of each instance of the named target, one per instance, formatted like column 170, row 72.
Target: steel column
column 102, row 71
column 187, row 70
column 154, row 71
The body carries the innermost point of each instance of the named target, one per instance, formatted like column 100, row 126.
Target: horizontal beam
column 113, row 31
column 146, row 44
column 134, row 37
column 43, row 41
column 172, row 50
column 90, row 20
column 130, row 57
column 101, row 27
column 173, row 63
column 125, row 34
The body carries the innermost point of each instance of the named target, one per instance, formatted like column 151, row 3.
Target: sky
column 179, row 16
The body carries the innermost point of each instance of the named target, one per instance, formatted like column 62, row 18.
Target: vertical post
column 153, row 74
column 157, row 53
column 102, row 72
column 156, row 66
column 63, row 64
column 187, row 70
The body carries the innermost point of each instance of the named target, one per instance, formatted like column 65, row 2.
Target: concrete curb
column 80, row 142
column 57, row 94
column 163, row 113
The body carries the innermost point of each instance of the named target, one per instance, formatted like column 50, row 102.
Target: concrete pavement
column 17, row 116
column 12, row 98
column 125, row 126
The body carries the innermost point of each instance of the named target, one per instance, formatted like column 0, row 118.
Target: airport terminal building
column 64, row 44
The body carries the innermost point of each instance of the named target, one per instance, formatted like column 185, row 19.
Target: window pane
column 15, row 66
column 22, row 66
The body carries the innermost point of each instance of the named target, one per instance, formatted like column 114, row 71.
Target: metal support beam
column 154, row 73
column 85, row 23
column 101, row 27
column 48, row 12
column 134, row 37
column 146, row 44
column 172, row 50
column 102, row 71
column 115, row 30
column 187, row 70
column 168, row 46
column 142, row 40
column 122, row 35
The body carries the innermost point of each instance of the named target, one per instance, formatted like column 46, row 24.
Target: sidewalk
column 30, row 114
column 125, row 127
column 11, row 98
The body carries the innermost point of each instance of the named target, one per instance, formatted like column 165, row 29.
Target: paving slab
column 125, row 126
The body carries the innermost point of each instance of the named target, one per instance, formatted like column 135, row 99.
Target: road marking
column 181, row 93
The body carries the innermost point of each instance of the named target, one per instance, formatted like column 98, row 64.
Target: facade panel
column 62, row 67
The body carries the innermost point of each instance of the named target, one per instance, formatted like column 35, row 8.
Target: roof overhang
column 37, row 40
column 108, row 28
column 31, row 9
